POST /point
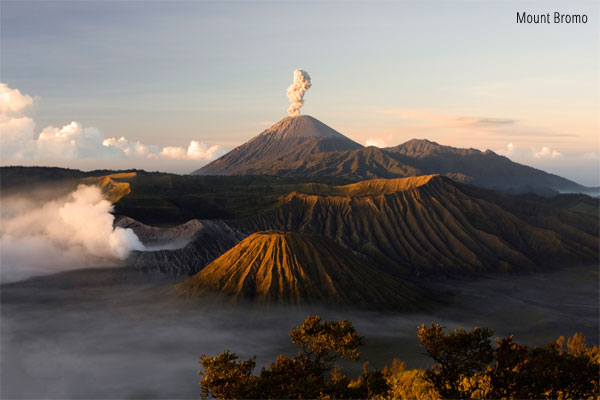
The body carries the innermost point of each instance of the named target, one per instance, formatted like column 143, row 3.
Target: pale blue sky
column 165, row 73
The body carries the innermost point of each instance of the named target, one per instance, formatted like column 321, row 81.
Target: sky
column 183, row 82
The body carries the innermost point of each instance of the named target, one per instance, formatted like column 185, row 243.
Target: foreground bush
column 467, row 365
column 312, row 373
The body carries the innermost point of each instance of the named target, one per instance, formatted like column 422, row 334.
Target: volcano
column 276, row 267
column 283, row 146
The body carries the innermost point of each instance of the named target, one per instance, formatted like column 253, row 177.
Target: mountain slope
column 297, row 268
column 579, row 203
column 291, row 139
column 358, row 164
column 421, row 157
column 419, row 226
column 435, row 225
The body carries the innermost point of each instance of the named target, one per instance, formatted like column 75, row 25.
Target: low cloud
column 515, row 152
column 377, row 142
column 581, row 168
column 20, row 142
column 512, row 151
column 131, row 149
column 12, row 100
column 195, row 151
column 547, row 152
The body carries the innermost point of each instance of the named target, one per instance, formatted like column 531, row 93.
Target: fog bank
column 116, row 333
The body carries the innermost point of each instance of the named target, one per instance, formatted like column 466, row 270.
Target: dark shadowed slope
column 422, row 157
column 298, row 268
column 579, row 203
column 359, row 164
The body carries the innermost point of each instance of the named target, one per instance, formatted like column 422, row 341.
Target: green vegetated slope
column 52, row 181
column 159, row 198
column 168, row 199
column 298, row 268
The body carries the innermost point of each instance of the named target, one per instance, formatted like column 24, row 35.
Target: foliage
column 322, row 343
column 226, row 377
column 371, row 384
column 468, row 366
column 459, row 354
column 167, row 199
column 312, row 373
column 408, row 383
column 538, row 372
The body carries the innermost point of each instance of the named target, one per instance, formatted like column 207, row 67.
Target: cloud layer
column 20, row 142
column 12, row 100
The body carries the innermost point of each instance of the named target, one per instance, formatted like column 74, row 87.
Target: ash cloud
column 70, row 232
column 295, row 92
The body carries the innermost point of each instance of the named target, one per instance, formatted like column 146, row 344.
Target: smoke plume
column 61, row 234
column 295, row 92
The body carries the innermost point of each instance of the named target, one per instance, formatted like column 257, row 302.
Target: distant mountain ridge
column 482, row 168
column 304, row 146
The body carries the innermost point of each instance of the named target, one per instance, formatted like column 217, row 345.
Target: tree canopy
column 312, row 373
column 467, row 365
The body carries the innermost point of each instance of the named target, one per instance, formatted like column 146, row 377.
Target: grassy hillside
column 167, row 199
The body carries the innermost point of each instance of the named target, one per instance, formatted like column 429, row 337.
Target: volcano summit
column 284, row 145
